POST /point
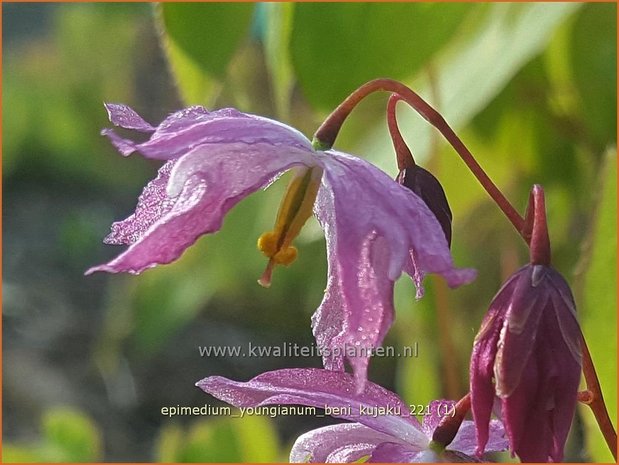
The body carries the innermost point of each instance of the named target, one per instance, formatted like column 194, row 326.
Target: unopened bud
column 429, row 189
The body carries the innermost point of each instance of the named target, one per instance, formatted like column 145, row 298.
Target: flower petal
column 187, row 129
column 321, row 388
column 153, row 203
column 482, row 364
column 517, row 341
column 372, row 225
column 125, row 117
column 355, row 333
column 202, row 187
column 465, row 440
column 392, row 452
column 437, row 410
column 346, row 442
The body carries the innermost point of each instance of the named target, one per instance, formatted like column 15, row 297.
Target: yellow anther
column 267, row 243
column 286, row 256
column 294, row 210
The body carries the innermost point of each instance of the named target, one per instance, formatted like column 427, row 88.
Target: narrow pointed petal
column 125, row 117
column 187, row 129
column 356, row 333
column 517, row 341
column 393, row 211
column 372, row 225
column 346, row 442
column 202, row 187
column 320, row 388
column 482, row 368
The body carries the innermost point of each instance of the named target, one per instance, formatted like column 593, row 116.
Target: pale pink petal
column 126, row 118
column 346, row 442
column 372, row 226
column 393, row 452
column 320, row 388
column 153, row 204
column 203, row 186
column 187, row 129
column 466, row 441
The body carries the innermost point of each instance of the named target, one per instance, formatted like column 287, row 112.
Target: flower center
column 295, row 209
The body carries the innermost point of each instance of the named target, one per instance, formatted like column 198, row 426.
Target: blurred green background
column 88, row 362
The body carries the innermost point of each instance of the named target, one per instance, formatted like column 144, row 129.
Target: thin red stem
column 328, row 131
column 596, row 400
column 402, row 152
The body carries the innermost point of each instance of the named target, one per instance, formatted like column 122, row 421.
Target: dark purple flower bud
column 417, row 179
column 527, row 354
column 429, row 189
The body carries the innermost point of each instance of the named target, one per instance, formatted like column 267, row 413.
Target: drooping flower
column 383, row 428
column 374, row 227
column 527, row 354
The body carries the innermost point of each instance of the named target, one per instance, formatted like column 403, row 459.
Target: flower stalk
column 403, row 154
column 595, row 400
column 326, row 134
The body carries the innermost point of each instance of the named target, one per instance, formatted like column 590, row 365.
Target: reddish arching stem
column 595, row 399
column 403, row 154
column 447, row 429
column 328, row 131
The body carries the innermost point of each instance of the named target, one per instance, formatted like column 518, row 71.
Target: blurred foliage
column 68, row 435
column 241, row 440
column 530, row 88
column 365, row 33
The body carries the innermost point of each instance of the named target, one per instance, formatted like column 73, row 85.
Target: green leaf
column 208, row 33
column 194, row 85
column 474, row 70
column 199, row 40
column 594, row 65
column 598, row 303
column 70, row 436
column 336, row 47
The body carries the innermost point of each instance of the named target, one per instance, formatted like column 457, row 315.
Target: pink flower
column 374, row 227
column 383, row 428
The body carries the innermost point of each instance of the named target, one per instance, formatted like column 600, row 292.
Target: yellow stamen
column 295, row 209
